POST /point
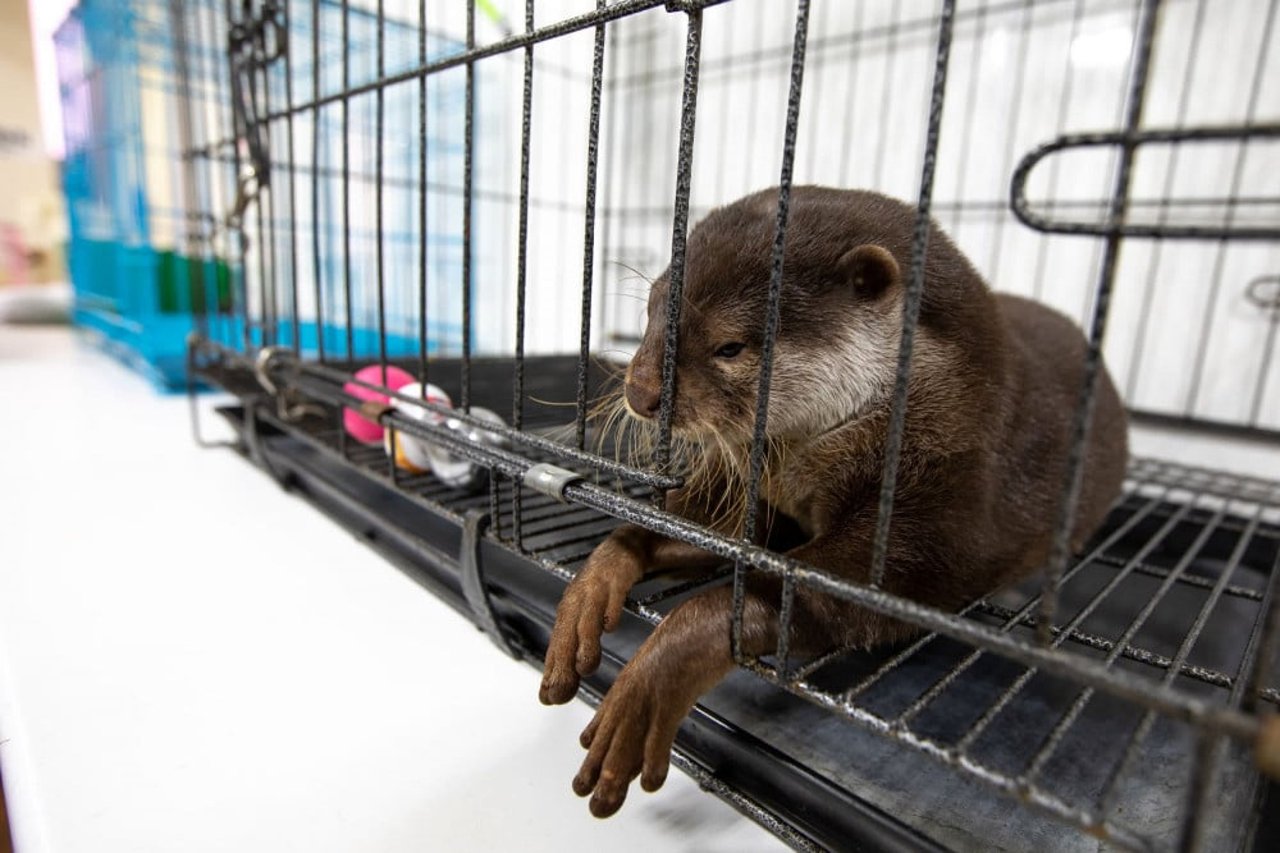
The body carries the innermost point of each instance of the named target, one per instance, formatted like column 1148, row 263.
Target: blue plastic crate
column 150, row 254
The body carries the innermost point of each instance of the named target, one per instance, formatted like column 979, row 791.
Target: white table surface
column 193, row 660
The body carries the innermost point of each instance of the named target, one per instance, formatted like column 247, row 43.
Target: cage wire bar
column 1083, row 415
column 312, row 374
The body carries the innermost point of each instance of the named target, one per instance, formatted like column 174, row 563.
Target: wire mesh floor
column 1169, row 589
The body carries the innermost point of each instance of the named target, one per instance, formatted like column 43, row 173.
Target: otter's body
column 994, row 384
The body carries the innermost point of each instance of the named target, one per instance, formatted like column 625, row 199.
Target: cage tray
column 812, row 776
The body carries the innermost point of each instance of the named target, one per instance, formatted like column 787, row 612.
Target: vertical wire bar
column 612, row 145
column 422, row 200
column 229, row 128
column 296, row 332
column 315, row 179
column 468, row 167
column 378, row 167
column 785, row 607
column 379, row 223
column 589, row 228
column 346, row 183
column 1237, row 177
column 205, row 203
column 1171, row 170
column 772, row 315
column 267, row 286
column 267, row 246
column 1061, row 550
column 241, row 272
column 679, row 235
column 912, row 297
column 187, row 202
column 343, row 444
column 1111, row 176
column 522, row 261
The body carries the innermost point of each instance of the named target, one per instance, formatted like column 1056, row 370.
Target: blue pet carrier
column 145, row 275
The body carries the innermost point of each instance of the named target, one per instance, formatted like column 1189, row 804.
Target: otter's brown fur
column 994, row 382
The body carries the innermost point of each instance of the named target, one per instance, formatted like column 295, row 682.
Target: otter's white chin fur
column 813, row 393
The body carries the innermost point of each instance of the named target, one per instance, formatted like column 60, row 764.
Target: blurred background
column 33, row 225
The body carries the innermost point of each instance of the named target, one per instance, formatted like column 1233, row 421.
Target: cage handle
column 1120, row 139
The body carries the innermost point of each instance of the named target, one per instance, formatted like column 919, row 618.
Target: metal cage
column 395, row 185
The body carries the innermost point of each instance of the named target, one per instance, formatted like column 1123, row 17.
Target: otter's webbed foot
column 631, row 735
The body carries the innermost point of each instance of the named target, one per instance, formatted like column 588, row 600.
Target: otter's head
column 837, row 340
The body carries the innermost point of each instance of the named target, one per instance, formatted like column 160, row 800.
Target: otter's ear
column 869, row 270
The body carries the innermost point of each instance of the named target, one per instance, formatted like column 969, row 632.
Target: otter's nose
column 644, row 394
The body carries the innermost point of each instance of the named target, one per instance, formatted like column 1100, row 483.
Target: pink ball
column 357, row 425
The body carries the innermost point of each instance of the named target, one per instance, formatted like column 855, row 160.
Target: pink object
column 357, row 425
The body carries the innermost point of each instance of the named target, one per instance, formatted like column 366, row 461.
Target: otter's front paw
column 592, row 604
column 631, row 735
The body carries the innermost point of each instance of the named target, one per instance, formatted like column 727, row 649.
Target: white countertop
column 193, row 660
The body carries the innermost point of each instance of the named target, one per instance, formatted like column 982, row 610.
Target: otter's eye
column 730, row 350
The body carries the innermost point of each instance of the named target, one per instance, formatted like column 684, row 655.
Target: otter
column 994, row 383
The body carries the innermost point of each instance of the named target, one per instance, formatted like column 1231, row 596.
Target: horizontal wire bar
column 340, row 378
column 587, row 20
column 1188, row 580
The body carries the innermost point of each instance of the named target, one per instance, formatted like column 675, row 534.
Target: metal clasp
column 549, row 479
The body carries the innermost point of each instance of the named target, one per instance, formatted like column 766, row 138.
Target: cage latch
column 474, row 525
column 549, row 479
